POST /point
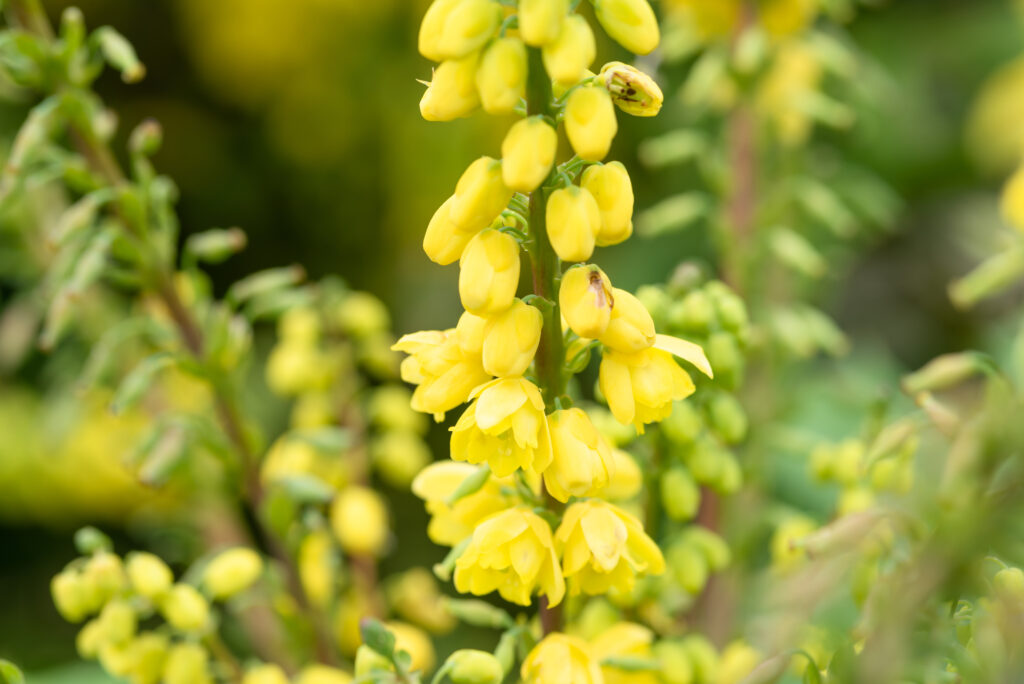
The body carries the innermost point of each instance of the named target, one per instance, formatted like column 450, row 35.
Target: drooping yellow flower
column 443, row 372
column 602, row 547
column 1012, row 203
column 626, row 480
column 611, row 187
column 511, row 552
column 489, row 273
column 501, row 75
column 450, row 524
column 582, row 461
column 505, row 427
column 631, row 328
column 451, row 93
column 567, row 58
column 527, row 153
column 470, row 332
column 541, row 20
column 641, row 387
column 480, row 195
column 573, row 221
column 444, row 242
column 585, row 298
column 590, row 122
column 633, row 91
column 631, row 23
column 359, row 520
column 511, row 339
column 561, row 659
column 467, row 25
column 625, row 639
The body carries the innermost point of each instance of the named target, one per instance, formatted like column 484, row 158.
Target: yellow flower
column 626, row 480
column 632, row 90
column 70, row 595
column 795, row 72
column 631, row 328
column 582, row 460
column 782, row 18
column 527, row 153
column 359, row 520
column 501, row 76
column 148, row 574
column 398, row 455
column 709, row 21
column 631, row 23
column 449, row 525
column 462, row 29
column 602, row 547
column 561, row 659
column 1012, row 203
column 317, row 566
column 470, row 332
column 187, row 664
column 585, row 299
column 480, row 196
column 541, row 20
column 185, row 609
column 573, row 220
column 511, row 339
column 505, row 427
column 625, row 639
column 265, row 674
column 489, row 272
column 451, row 93
column 511, row 552
column 567, row 58
column 474, row 667
column 415, row 642
column 738, row 660
column 611, row 187
column 416, row 596
column 786, row 555
column 443, row 372
column 641, row 387
column 232, row 571
column 590, row 122
column 444, row 242
column 322, row 674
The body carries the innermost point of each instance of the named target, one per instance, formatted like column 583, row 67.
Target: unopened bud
column 567, row 58
column 480, row 195
column 682, row 425
column 359, row 520
column 121, row 55
column 1012, row 202
column 187, row 663
column 527, row 153
column 716, row 551
column 573, row 222
column 265, row 674
column 361, row 315
column 511, row 340
column 674, row 663
column 727, row 418
column 70, row 595
column 185, row 609
column 633, row 91
column 232, row 572
column 540, row 21
column 611, row 187
column 501, row 76
column 590, row 122
column 688, row 566
column 451, row 93
column 118, row 622
column 443, row 242
column 585, row 298
column 489, row 273
column 469, row 666
column 399, row 457
column 631, row 23
column 104, row 577
column 1009, row 583
column 680, row 495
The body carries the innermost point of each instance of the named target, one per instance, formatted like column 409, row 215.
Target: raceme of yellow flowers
column 526, row 502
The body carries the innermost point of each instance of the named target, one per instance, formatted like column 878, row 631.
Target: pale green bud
column 187, row 663
column 70, row 595
column 149, row 575
column 361, row 315
column 118, row 622
column 231, row 572
column 684, row 423
column 185, row 609
column 688, row 567
column 368, row 660
column 474, row 667
column 727, row 418
column 680, row 495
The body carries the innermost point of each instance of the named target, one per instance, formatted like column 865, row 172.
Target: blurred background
column 299, row 122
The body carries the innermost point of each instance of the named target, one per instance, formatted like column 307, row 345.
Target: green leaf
column 479, row 613
column 89, row 540
column 377, row 637
column 812, row 675
column 10, row 674
column 120, row 54
column 329, row 439
column 631, row 663
column 470, row 485
column 215, row 245
column 263, row 282
column 139, row 380
column 307, row 488
column 163, row 453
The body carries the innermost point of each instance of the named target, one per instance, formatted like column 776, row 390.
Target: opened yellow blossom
column 585, row 298
column 631, row 23
column 590, row 122
column 631, row 328
column 573, row 221
column 504, row 427
column 451, row 93
column 480, row 195
column 567, row 58
column 625, row 639
column 602, row 547
column 489, row 273
column 527, row 153
column 640, row 387
column 444, row 242
column 450, row 524
column 561, row 659
column 633, row 91
column 540, row 21
column 582, row 461
column 443, row 372
column 501, row 75
column 511, row 339
column 1012, row 203
column 511, row 552
column 611, row 187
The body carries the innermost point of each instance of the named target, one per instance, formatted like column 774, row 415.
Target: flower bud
column 540, row 21
column 573, row 220
column 1009, row 583
column 361, row 315
column 470, row 332
column 567, row 58
column 317, row 566
column 187, row 663
column 689, row 567
column 582, row 460
column 585, row 298
column 626, row 478
column 1012, row 203
column 432, row 28
column 726, row 358
column 265, row 674
column 468, row 24
column 399, row 457
column 489, row 273
column 70, row 595
column 727, row 418
column 415, row 642
column 389, row 410
column 443, row 242
column 117, row 622
column 116, row 659
column 232, row 572
column 713, row 547
column 590, row 122
column 680, row 495
column 468, row 666
column 89, row 639
column 674, row 663
column 451, row 93
column 322, row 674
column 511, row 340
column 480, row 195
column 527, row 153
column 683, row 424
column 632, row 90
column 359, row 519
column 149, row 575
column 185, row 608
column 631, row 328
column 631, row 23
column 695, row 313
column 739, row 659
column 611, row 187
column 501, row 76
column 148, row 655
column 104, row 578
column 368, row 660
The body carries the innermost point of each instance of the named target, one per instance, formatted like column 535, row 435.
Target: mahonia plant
column 528, row 501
